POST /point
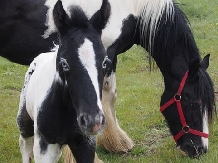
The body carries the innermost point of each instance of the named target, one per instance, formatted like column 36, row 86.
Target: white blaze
column 87, row 58
column 205, row 130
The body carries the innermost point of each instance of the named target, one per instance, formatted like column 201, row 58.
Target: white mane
column 152, row 11
column 147, row 10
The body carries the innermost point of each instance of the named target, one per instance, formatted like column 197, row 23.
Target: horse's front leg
column 83, row 149
column 45, row 153
column 26, row 148
column 25, row 125
column 69, row 158
column 112, row 138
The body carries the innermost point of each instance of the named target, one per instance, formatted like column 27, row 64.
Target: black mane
column 173, row 36
column 206, row 92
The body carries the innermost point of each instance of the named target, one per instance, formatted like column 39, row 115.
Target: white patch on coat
column 87, row 58
column 119, row 11
column 205, row 141
column 88, row 8
column 26, row 148
column 40, row 83
column 51, row 155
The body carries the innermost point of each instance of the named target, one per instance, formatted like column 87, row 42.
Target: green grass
column 11, row 80
column 137, row 105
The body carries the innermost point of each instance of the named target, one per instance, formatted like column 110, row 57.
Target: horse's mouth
column 182, row 152
column 196, row 154
column 93, row 131
column 97, row 128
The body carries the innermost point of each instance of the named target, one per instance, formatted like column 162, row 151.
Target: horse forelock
column 78, row 17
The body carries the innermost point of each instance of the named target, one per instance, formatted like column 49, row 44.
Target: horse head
column 190, row 109
column 79, row 62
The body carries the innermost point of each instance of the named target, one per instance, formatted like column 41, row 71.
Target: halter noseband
column 177, row 98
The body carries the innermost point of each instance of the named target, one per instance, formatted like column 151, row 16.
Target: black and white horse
column 60, row 102
column 157, row 25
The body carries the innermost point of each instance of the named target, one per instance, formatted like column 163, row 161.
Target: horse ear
column 100, row 18
column 61, row 18
column 205, row 62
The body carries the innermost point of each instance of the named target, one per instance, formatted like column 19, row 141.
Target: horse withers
column 60, row 102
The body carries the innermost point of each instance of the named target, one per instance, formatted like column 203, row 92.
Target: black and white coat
column 60, row 102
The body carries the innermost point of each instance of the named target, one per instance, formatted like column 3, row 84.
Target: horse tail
column 150, row 14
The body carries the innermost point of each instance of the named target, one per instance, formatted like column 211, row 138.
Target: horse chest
column 55, row 119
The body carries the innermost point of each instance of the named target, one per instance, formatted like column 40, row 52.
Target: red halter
column 177, row 98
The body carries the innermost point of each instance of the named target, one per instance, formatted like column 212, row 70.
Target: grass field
column 137, row 106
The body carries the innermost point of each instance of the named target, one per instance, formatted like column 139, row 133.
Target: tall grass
column 137, row 105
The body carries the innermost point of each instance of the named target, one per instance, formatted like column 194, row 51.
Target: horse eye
column 64, row 64
column 195, row 105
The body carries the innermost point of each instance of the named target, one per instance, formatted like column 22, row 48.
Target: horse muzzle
column 91, row 125
column 191, row 150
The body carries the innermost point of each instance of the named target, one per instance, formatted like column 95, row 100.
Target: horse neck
column 170, row 42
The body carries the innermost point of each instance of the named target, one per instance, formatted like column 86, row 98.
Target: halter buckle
column 185, row 129
column 177, row 97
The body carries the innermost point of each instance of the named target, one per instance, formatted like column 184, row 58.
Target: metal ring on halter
column 185, row 129
column 177, row 97
column 104, row 62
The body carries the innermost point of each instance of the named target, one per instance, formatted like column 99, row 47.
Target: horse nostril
column 91, row 124
column 83, row 121
column 201, row 150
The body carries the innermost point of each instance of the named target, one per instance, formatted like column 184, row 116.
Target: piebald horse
column 60, row 103
column 161, row 28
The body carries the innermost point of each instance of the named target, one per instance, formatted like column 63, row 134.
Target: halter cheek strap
column 177, row 99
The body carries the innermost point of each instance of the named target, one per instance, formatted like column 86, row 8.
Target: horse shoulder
column 120, row 11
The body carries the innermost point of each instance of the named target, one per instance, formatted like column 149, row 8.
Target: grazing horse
column 157, row 25
column 60, row 102
column 188, row 101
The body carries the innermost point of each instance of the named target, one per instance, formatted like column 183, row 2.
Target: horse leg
column 45, row 153
column 69, row 158
column 83, row 150
column 26, row 148
column 112, row 138
column 25, row 125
